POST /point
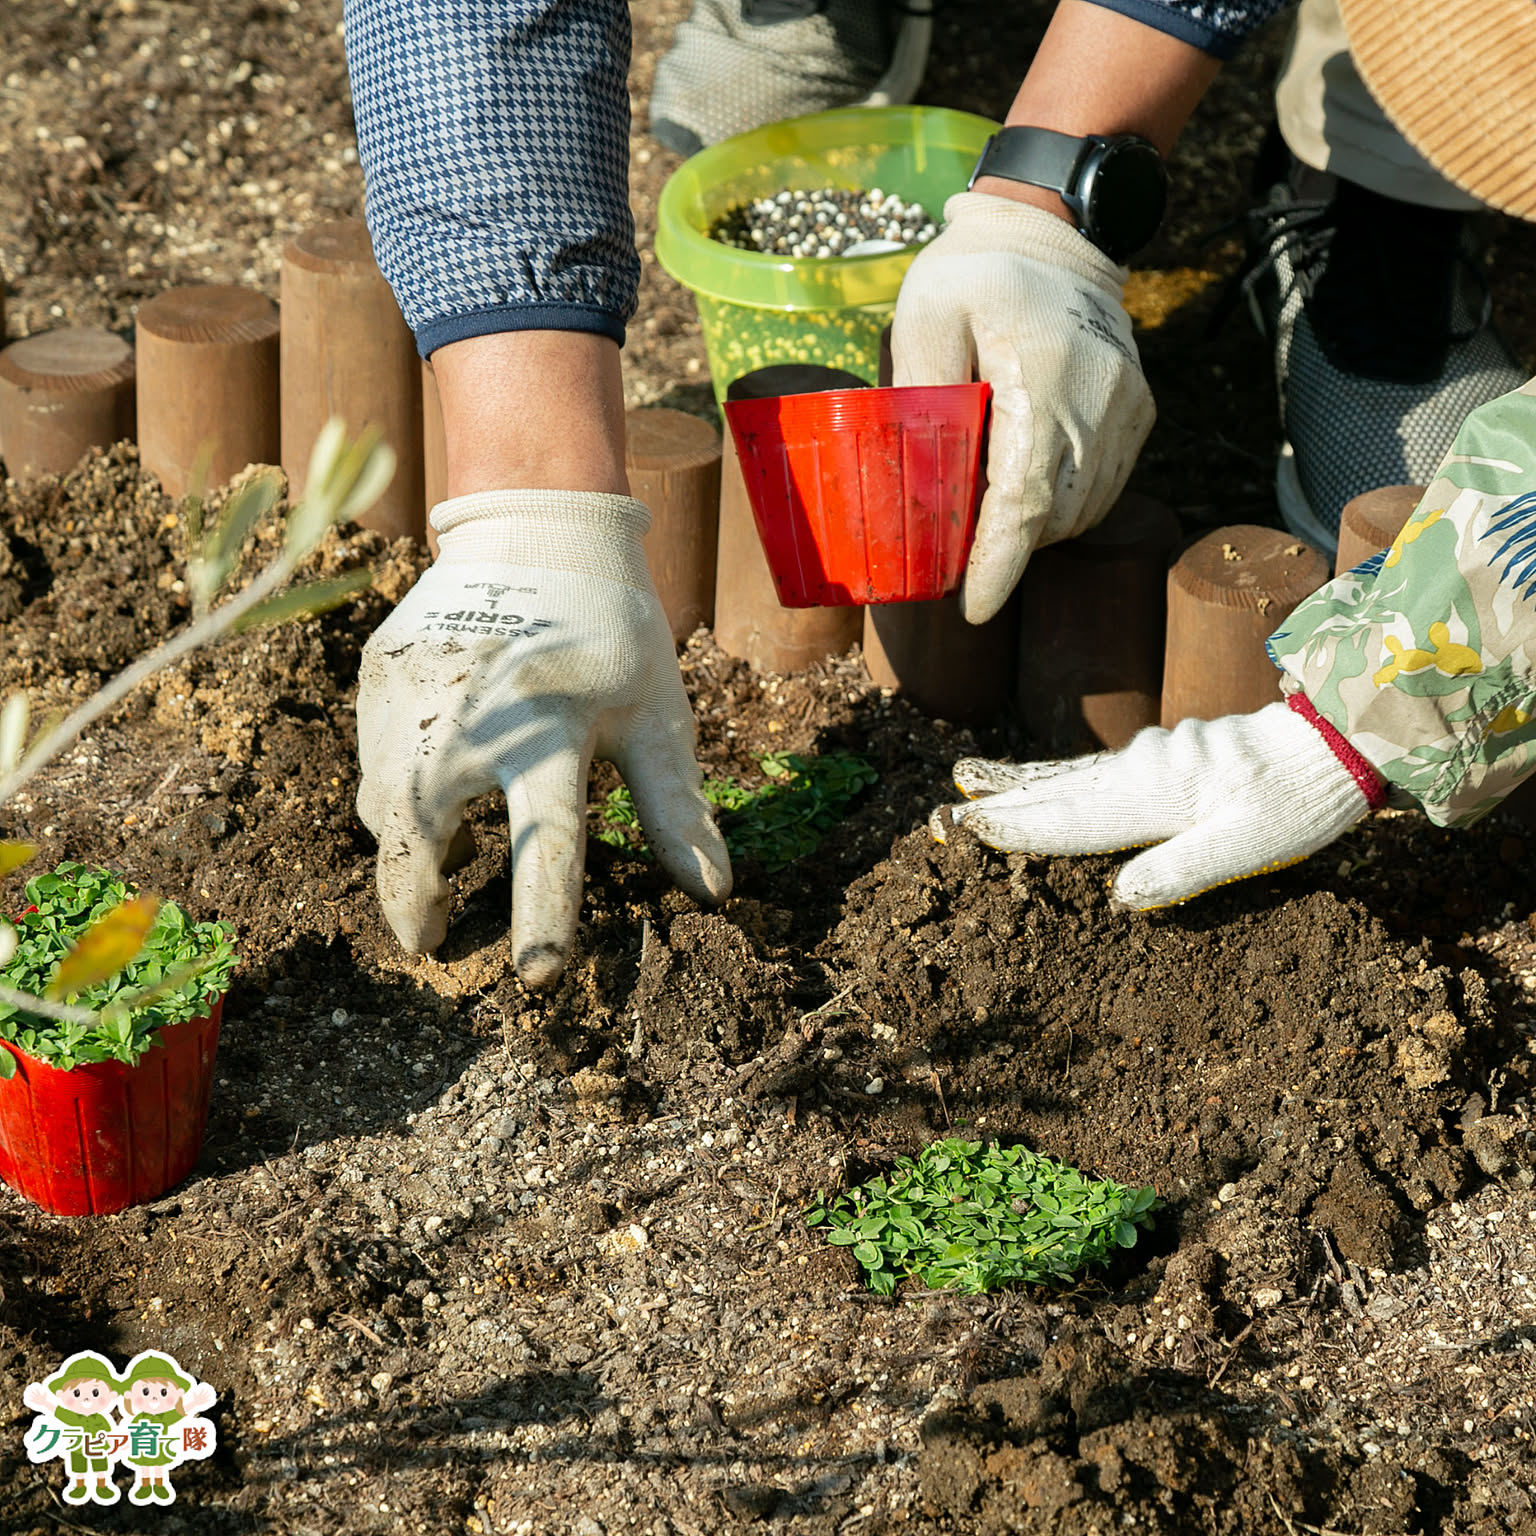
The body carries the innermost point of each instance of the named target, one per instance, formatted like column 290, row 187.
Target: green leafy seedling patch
column 970, row 1217
column 179, row 970
column 784, row 819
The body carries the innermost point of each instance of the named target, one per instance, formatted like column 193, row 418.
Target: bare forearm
column 1099, row 72
column 532, row 410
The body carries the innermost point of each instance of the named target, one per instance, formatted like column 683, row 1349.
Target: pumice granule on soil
column 830, row 221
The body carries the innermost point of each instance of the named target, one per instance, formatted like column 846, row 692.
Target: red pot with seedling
column 104, row 1097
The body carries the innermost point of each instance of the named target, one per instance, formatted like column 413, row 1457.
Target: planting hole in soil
column 457, row 1257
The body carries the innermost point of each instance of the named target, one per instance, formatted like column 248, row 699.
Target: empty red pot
column 103, row 1136
column 863, row 495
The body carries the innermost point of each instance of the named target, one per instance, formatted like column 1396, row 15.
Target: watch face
column 1124, row 191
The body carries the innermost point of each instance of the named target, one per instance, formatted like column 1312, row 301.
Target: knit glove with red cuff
column 1221, row 799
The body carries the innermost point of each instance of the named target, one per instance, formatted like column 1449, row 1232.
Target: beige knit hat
column 1458, row 78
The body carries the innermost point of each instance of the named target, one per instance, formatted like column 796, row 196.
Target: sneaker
column 1380, row 319
column 735, row 65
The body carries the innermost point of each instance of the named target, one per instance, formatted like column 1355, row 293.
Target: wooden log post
column 2, row 343
column 1227, row 594
column 434, row 449
column 673, row 461
column 1371, row 521
column 1093, row 617
column 207, row 359
column 347, row 352
column 930, row 655
column 949, row 669
column 63, row 393
column 750, row 622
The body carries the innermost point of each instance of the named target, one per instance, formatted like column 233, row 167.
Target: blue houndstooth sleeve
column 1215, row 26
column 494, row 140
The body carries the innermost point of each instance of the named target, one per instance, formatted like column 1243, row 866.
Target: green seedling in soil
column 122, row 966
column 967, row 1217
column 774, row 825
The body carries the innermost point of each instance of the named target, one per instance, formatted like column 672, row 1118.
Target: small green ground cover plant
column 135, row 963
column 775, row 824
column 970, row 1217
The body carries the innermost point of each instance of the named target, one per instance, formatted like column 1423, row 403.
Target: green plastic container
column 758, row 309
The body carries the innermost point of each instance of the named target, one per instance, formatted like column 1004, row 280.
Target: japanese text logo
column 146, row 1421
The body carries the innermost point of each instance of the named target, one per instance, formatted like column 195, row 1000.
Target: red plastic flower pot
column 104, row 1135
column 863, row 495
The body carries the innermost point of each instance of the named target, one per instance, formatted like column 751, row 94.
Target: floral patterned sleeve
column 1424, row 656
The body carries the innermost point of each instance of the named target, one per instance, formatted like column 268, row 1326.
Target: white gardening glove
column 534, row 643
column 1018, row 296
column 1223, row 799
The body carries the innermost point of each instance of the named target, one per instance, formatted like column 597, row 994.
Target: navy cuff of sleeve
column 1179, row 24
column 433, row 334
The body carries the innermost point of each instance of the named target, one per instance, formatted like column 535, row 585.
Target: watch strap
column 1115, row 188
column 1040, row 157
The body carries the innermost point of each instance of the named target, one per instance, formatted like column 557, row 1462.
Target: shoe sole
column 1295, row 510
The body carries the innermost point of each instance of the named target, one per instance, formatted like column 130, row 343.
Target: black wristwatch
column 1116, row 188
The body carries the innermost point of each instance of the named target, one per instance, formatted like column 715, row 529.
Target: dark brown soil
column 460, row 1258
column 467, row 1242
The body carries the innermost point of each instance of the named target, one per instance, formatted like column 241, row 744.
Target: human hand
column 1222, row 799
column 1016, row 295
column 534, row 643
column 201, row 1396
column 38, row 1398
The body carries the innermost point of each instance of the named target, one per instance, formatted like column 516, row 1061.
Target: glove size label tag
column 495, row 590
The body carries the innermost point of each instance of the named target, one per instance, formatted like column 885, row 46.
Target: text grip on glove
column 534, row 643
